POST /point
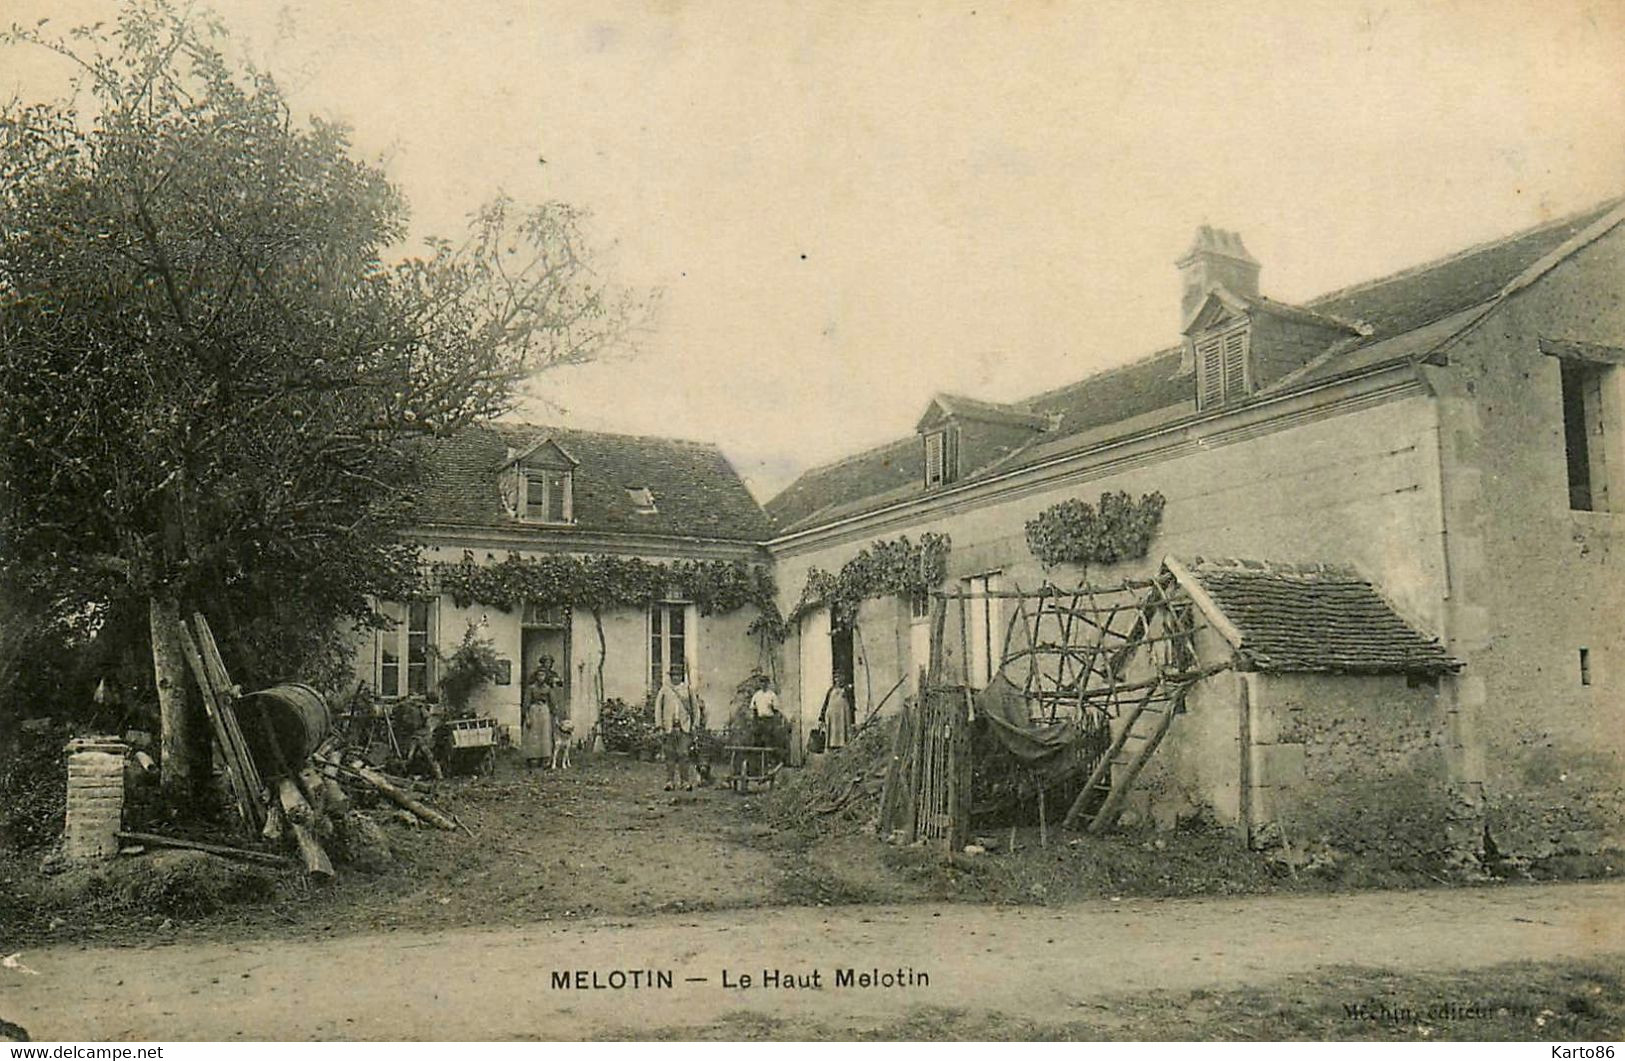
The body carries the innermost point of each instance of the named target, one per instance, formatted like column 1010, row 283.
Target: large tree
column 212, row 376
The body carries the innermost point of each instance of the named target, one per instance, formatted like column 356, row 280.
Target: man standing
column 675, row 701
column 767, row 723
column 678, row 750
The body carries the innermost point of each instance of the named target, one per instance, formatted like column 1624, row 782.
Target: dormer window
column 1222, row 367
column 941, row 456
column 643, row 500
column 547, row 495
column 538, row 483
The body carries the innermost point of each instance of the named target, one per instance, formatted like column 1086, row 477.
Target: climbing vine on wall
column 1076, row 532
column 602, row 581
column 885, row 568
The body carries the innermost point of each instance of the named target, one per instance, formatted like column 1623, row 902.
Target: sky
column 845, row 206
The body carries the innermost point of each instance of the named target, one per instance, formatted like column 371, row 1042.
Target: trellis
column 1117, row 660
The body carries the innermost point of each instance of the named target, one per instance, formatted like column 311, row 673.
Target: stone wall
column 1355, row 763
column 1540, row 752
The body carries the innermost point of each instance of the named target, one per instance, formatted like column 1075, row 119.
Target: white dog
column 562, row 731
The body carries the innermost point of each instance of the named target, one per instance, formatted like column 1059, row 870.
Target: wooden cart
column 473, row 747
column 752, row 764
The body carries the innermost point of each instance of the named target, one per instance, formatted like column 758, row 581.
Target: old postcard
column 811, row 521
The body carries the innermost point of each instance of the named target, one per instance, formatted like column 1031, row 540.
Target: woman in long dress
column 837, row 717
column 536, row 729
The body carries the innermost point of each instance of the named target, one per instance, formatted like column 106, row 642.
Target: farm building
column 1414, row 483
column 616, row 556
column 1449, row 435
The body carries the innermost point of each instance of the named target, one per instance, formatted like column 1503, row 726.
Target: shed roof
column 697, row 492
column 1293, row 618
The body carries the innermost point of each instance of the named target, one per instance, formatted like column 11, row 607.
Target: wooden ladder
column 1158, row 714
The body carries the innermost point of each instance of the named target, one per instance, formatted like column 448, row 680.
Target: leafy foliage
column 1076, row 532
column 473, row 664
column 885, row 568
column 604, row 581
column 33, row 789
column 212, row 383
column 625, row 728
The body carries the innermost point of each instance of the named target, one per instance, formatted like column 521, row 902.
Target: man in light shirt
column 767, row 723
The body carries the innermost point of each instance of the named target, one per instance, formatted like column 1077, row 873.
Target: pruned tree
column 213, row 380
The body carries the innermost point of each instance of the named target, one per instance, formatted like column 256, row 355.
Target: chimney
column 1216, row 259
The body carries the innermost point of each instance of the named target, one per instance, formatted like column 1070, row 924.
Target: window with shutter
column 1221, row 368
column 1235, row 364
column 934, row 458
column 547, row 496
column 1210, row 368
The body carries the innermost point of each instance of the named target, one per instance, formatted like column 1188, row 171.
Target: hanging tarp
column 1005, row 707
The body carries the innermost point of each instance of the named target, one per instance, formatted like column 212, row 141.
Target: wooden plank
column 212, row 657
column 247, row 804
column 227, row 692
column 889, row 789
column 154, row 840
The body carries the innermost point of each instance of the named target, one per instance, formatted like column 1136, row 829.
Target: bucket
column 294, row 712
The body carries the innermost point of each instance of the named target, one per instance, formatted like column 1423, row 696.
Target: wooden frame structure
column 1121, row 656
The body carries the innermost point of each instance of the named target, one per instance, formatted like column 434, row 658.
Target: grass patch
column 179, row 884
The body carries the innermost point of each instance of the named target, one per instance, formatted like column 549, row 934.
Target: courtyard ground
column 604, row 838
column 598, row 868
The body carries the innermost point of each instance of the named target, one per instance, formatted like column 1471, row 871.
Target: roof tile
column 1315, row 618
column 697, row 492
column 1388, row 307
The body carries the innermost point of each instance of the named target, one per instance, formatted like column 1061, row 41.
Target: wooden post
column 1043, row 823
column 1244, row 711
column 891, row 792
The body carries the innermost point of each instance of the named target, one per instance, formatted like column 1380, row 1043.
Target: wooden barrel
column 295, row 713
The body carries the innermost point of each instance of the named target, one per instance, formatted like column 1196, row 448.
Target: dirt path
column 1040, row 963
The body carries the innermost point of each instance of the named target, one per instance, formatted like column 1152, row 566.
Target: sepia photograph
column 811, row 521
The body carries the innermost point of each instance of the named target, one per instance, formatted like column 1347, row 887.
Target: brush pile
column 840, row 790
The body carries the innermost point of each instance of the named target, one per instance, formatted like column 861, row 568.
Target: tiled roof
column 1314, row 618
column 989, row 412
column 1414, row 297
column 1302, row 315
column 697, row 492
column 1389, row 307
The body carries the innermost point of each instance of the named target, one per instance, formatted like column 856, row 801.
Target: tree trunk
column 178, row 738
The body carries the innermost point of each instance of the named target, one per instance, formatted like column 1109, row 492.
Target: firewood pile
column 283, row 788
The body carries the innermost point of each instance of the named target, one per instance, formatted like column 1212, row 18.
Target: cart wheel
column 488, row 761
